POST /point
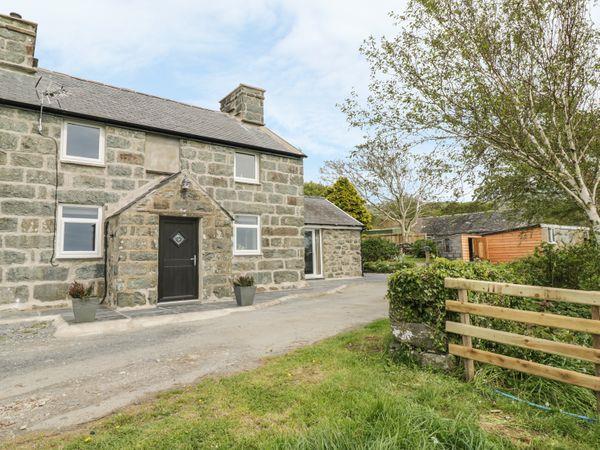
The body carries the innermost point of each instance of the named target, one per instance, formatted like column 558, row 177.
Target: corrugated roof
column 320, row 211
column 470, row 223
column 99, row 101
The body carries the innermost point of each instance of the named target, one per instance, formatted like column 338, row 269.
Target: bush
column 571, row 267
column 417, row 294
column 418, row 247
column 387, row 266
column 377, row 249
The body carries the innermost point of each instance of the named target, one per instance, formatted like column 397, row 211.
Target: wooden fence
column 468, row 331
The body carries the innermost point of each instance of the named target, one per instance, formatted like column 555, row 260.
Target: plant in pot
column 244, row 289
column 84, row 303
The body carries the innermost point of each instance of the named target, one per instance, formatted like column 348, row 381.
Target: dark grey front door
column 177, row 259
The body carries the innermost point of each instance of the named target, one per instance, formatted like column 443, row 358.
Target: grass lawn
column 343, row 393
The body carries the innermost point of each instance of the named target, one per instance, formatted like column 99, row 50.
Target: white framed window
column 79, row 231
column 246, row 235
column 246, row 168
column 551, row 236
column 82, row 143
column 313, row 253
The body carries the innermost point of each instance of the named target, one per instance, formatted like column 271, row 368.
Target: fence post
column 463, row 297
column 596, row 344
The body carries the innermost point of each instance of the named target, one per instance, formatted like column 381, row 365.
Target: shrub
column 376, row 249
column 417, row 294
column 78, row 290
column 571, row 267
column 387, row 266
column 243, row 281
column 418, row 247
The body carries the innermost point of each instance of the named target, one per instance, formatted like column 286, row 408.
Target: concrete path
column 51, row 383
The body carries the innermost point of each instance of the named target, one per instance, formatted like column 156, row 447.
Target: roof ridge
column 491, row 211
column 133, row 91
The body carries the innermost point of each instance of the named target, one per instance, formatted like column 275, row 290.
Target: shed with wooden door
column 496, row 236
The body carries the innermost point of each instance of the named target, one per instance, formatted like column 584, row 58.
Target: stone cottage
column 146, row 198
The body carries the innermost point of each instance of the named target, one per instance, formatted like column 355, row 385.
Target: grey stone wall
column 455, row 246
column 341, row 253
column 28, row 176
column 278, row 199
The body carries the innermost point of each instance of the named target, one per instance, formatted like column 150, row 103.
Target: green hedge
column 387, row 266
column 377, row 249
column 417, row 294
column 417, row 248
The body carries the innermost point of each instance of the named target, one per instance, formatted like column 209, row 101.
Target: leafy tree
column 315, row 189
column 515, row 83
column 345, row 196
column 395, row 179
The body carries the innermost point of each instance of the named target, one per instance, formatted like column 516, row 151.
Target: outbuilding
column 331, row 241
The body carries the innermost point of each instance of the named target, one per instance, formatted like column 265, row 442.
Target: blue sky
column 304, row 53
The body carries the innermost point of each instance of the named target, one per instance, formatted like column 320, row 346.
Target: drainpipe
column 105, row 262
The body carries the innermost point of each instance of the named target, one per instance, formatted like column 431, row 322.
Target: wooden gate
column 468, row 331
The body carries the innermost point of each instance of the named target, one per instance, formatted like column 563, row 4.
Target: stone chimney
column 247, row 103
column 17, row 43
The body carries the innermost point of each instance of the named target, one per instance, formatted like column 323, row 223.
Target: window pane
column 245, row 166
column 246, row 220
column 318, row 252
column 83, row 141
column 79, row 237
column 75, row 212
column 246, row 239
column 308, row 253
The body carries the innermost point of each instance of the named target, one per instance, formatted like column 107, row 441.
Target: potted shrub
column 244, row 289
column 84, row 303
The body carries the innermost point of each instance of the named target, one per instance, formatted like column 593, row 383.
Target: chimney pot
column 16, row 15
column 247, row 103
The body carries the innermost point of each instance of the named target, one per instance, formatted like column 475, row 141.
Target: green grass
column 342, row 393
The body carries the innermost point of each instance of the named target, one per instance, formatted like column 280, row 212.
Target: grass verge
column 344, row 393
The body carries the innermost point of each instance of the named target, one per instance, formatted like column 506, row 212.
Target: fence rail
column 467, row 331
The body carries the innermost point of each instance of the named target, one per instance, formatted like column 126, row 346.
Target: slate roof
column 320, row 211
column 97, row 101
column 470, row 223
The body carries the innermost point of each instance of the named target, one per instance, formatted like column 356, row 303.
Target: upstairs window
column 82, row 143
column 246, row 235
column 246, row 168
column 78, row 231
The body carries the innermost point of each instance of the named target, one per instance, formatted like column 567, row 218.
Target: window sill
column 248, row 254
column 65, row 257
column 83, row 162
column 246, row 181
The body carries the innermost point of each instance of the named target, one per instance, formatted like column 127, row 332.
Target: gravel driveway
column 50, row 383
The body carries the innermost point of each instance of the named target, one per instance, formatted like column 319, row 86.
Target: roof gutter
column 139, row 127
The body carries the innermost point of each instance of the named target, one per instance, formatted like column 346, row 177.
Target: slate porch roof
column 96, row 101
column 470, row 223
column 320, row 211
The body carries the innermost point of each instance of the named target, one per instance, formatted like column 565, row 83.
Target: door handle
column 195, row 260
